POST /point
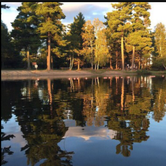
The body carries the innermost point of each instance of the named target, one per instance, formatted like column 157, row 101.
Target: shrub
column 143, row 72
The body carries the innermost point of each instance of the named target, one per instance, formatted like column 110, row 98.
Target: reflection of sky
column 12, row 127
column 93, row 146
column 88, row 132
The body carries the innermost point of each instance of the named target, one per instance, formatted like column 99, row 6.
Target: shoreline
column 54, row 74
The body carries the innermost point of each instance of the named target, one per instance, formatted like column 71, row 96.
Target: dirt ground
column 25, row 74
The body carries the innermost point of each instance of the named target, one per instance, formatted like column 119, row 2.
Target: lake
column 99, row 121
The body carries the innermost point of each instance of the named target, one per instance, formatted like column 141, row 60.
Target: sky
column 90, row 10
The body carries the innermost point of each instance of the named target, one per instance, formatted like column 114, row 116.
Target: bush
column 143, row 72
column 159, row 64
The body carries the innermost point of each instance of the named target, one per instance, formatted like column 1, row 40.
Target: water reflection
column 5, row 150
column 110, row 108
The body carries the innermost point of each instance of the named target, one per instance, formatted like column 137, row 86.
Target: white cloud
column 157, row 13
column 8, row 15
column 90, row 10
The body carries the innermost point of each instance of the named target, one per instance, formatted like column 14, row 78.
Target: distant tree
column 112, row 40
column 159, row 44
column 9, row 56
column 101, row 49
column 4, row 44
column 160, row 39
column 88, row 42
column 70, row 47
column 76, row 31
column 4, row 6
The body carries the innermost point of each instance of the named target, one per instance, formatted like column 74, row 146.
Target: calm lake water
column 108, row 121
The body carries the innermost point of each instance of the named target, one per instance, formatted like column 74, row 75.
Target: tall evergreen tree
column 117, row 23
column 76, row 31
column 50, row 26
column 139, row 33
column 24, row 32
column 7, row 50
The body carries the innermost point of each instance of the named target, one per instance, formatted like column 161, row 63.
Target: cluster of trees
column 123, row 40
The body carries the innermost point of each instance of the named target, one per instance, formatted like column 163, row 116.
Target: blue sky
column 90, row 11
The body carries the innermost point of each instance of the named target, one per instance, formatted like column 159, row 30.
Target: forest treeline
column 123, row 41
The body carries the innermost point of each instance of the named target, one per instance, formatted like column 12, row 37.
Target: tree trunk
column 139, row 65
column 116, row 60
column 91, row 65
column 49, row 52
column 71, row 62
column 28, row 60
column 133, row 56
column 95, row 67
column 98, row 65
column 111, row 64
column 92, row 56
column 51, row 62
column 122, row 52
column 78, row 67
column 164, row 66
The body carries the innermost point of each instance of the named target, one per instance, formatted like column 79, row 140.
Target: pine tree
column 50, row 26
column 117, row 23
column 139, row 33
column 24, row 32
column 76, row 31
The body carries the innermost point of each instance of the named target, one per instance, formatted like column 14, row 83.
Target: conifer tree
column 139, row 33
column 24, row 32
column 117, row 23
column 50, row 26
column 76, row 31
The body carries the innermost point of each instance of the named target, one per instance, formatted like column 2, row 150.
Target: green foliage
column 9, row 55
column 143, row 72
column 160, row 42
column 159, row 63
column 75, row 40
column 39, row 24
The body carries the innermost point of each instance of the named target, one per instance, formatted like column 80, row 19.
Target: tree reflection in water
column 122, row 104
column 5, row 150
column 42, row 127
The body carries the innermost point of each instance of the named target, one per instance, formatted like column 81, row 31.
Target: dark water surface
column 108, row 121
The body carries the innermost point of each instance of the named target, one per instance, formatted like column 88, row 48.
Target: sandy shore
column 25, row 74
column 33, row 74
